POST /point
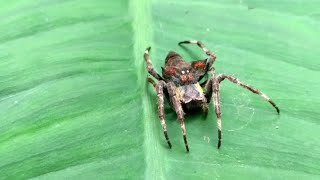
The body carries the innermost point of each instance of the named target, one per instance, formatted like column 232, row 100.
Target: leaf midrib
column 142, row 29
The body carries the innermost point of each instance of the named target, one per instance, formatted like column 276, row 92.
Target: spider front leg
column 212, row 87
column 250, row 88
column 160, row 86
column 150, row 68
column 179, row 111
column 212, row 56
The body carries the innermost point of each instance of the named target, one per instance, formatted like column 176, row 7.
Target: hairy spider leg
column 212, row 87
column 179, row 111
column 159, row 89
column 151, row 81
column 235, row 80
column 212, row 56
column 150, row 68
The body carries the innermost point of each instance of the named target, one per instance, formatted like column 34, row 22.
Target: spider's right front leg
column 159, row 88
column 150, row 68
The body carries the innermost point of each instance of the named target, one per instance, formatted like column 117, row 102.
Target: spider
column 180, row 83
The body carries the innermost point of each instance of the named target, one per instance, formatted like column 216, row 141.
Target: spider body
column 191, row 95
column 186, row 77
column 179, row 83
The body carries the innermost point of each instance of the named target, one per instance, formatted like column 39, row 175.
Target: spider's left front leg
column 212, row 87
column 178, row 109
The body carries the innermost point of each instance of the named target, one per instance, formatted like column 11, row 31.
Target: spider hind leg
column 235, row 80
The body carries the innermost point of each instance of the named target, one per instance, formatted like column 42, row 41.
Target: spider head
column 185, row 73
column 176, row 74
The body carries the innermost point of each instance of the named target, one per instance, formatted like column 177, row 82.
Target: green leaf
column 74, row 102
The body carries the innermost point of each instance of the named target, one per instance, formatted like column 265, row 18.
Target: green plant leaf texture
column 75, row 103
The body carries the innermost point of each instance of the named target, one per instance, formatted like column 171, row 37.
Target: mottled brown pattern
column 180, row 84
column 173, row 59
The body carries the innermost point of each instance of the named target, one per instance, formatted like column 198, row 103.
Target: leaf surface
column 74, row 103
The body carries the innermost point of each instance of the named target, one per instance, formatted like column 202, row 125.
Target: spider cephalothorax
column 182, row 72
column 180, row 83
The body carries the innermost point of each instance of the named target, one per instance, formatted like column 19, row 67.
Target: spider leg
column 235, row 80
column 212, row 57
column 205, row 107
column 179, row 111
column 212, row 88
column 150, row 68
column 151, row 81
column 159, row 89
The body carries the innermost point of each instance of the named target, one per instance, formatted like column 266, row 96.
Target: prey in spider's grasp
column 180, row 84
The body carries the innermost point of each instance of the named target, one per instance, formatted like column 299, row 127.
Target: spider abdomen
column 190, row 93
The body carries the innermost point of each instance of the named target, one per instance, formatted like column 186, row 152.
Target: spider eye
column 199, row 64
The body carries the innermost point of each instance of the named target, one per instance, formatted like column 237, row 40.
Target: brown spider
column 180, row 84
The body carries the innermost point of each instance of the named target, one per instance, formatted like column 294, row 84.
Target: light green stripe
column 142, row 26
